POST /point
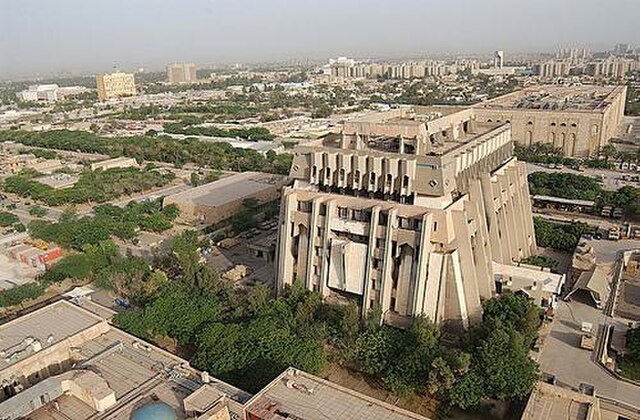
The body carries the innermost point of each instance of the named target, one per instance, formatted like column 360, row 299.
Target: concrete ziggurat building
column 407, row 210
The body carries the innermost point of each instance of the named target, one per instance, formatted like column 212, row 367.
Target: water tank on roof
column 156, row 410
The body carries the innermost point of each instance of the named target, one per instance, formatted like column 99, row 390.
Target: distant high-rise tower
column 181, row 73
column 498, row 59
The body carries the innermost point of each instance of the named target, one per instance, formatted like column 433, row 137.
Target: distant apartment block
column 115, row 85
column 182, row 73
column 343, row 68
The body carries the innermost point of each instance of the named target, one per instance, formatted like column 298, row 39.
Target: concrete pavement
column 561, row 355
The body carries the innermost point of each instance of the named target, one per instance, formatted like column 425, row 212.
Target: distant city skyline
column 74, row 36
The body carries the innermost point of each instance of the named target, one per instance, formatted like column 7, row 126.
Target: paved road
column 572, row 365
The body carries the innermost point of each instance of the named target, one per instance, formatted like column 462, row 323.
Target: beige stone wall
column 577, row 133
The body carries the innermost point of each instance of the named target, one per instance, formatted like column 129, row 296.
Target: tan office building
column 115, row 85
column 407, row 210
column 182, row 73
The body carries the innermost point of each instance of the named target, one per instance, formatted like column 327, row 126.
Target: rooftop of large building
column 103, row 372
column 556, row 98
column 296, row 394
column 31, row 333
column 231, row 188
column 120, row 372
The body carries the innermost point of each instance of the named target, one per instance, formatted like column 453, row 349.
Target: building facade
column 578, row 120
column 407, row 210
column 115, row 85
column 181, row 73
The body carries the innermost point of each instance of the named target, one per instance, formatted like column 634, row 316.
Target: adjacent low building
column 119, row 162
column 66, row 361
column 539, row 284
column 298, row 395
column 578, row 120
column 216, row 201
column 115, row 85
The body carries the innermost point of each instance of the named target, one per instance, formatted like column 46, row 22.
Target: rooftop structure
column 407, row 210
column 578, row 120
column 66, row 357
column 299, row 395
column 59, row 181
column 119, row 162
column 557, row 98
column 66, row 361
column 216, row 201
column 552, row 402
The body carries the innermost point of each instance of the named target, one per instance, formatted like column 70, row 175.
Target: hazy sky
column 46, row 36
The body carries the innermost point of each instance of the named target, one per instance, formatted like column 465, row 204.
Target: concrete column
column 311, row 249
column 387, row 263
column 481, row 253
column 423, row 265
column 468, row 280
column 405, row 277
column 373, row 224
column 492, row 217
column 324, row 269
column 284, row 258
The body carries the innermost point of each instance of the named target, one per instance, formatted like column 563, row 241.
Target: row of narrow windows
column 363, row 215
column 553, row 124
column 342, row 174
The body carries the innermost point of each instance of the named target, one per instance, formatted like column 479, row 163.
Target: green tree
column 8, row 219
column 37, row 211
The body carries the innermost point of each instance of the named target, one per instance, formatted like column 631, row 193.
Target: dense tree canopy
column 216, row 155
column 72, row 231
column 93, row 186
column 561, row 237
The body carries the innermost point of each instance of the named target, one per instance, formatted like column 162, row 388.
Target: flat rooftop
column 556, row 98
column 523, row 277
column 296, row 394
column 549, row 402
column 232, row 188
column 48, row 326
column 135, row 371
